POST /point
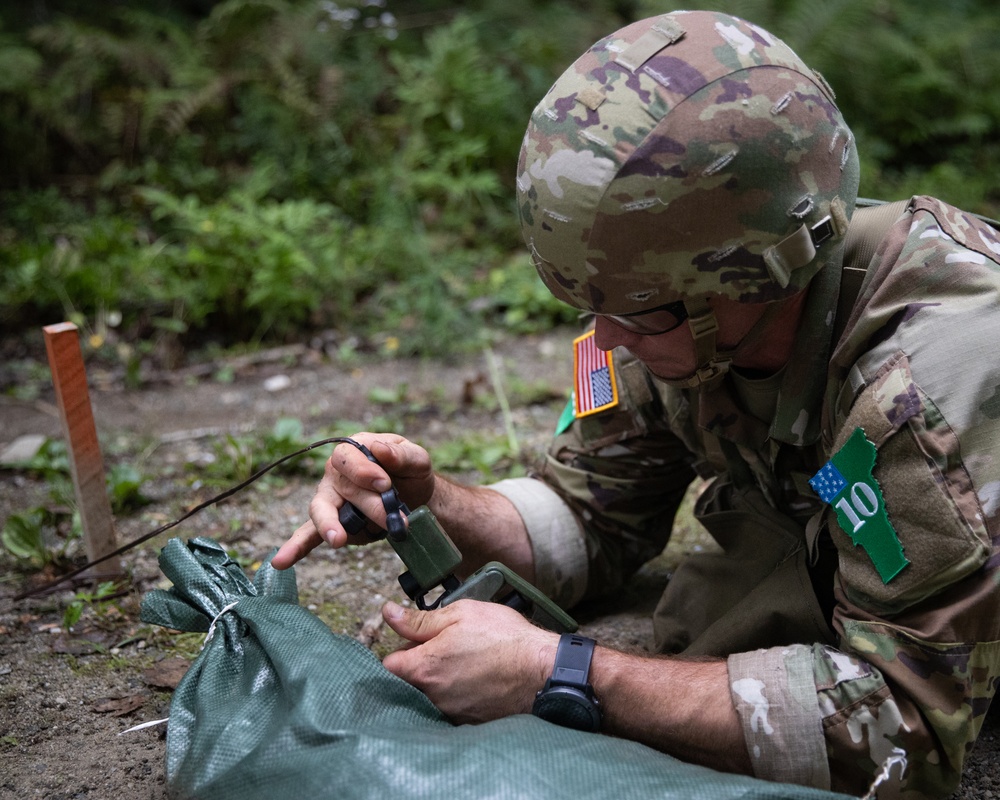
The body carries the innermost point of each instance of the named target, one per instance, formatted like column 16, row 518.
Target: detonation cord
column 210, row 502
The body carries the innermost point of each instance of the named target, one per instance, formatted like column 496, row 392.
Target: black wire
column 218, row 498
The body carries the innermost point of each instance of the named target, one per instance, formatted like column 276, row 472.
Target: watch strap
column 573, row 657
column 568, row 698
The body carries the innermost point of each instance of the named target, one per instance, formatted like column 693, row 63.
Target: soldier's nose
column 608, row 336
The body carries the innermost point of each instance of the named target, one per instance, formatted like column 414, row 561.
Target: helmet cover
column 685, row 156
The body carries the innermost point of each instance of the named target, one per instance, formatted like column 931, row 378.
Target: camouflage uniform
column 900, row 667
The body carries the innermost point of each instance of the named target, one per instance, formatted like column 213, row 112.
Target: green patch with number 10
column 847, row 484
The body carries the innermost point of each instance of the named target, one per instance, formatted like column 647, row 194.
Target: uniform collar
column 798, row 416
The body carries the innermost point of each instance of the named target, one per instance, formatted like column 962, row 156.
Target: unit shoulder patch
column 846, row 482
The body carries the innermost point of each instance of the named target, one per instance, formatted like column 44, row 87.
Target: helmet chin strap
column 713, row 365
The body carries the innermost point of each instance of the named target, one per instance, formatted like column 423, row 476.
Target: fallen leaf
column 119, row 706
column 166, row 674
column 84, row 643
column 370, row 630
column 73, row 646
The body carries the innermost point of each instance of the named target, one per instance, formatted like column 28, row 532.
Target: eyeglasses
column 661, row 319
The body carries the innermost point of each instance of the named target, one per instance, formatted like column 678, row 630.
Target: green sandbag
column 277, row 706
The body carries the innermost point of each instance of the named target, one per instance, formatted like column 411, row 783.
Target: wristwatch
column 568, row 698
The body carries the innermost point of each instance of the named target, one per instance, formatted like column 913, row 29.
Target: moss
column 96, row 665
column 182, row 644
column 338, row 617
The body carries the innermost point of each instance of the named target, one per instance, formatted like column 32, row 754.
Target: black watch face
column 568, row 707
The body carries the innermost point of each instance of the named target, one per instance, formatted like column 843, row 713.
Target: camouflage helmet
column 689, row 155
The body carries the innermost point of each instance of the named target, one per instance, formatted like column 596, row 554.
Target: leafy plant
column 490, row 457
column 516, row 296
column 22, row 536
column 125, row 488
column 84, row 599
column 41, row 535
column 50, row 462
column 388, row 397
column 279, row 262
column 236, row 458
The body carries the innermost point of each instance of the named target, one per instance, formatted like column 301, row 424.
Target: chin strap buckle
column 707, row 377
column 712, row 365
column 711, row 374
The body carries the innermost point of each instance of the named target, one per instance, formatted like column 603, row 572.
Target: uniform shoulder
column 970, row 230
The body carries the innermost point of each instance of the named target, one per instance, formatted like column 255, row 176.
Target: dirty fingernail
column 392, row 610
column 382, row 484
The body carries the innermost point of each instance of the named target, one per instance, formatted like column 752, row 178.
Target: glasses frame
column 656, row 321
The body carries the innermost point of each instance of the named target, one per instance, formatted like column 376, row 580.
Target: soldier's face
column 671, row 355
column 668, row 355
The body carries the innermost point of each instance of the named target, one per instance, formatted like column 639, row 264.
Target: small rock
column 23, row 448
column 277, row 383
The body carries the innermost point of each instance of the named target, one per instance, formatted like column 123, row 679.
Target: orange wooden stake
column 62, row 342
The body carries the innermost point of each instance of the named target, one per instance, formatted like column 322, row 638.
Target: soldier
column 691, row 183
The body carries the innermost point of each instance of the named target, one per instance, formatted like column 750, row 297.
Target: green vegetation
column 30, row 536
column 264, row 169
column 492, row 457
column 45, row 533
column 184, row 644
column 337, row 616
column 189, row 171
column 84, row 599
column 237, row 457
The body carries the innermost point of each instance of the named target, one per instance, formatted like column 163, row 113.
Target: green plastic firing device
column 431, row 558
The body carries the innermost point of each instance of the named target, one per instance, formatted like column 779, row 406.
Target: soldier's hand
column 476, row 661
column 351, row 477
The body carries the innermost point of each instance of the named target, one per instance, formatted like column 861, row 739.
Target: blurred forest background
column 180, row 175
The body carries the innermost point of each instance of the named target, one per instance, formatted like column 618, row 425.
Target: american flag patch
column 594, row 388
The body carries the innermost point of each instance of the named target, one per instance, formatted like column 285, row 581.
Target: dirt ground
column 68, row 698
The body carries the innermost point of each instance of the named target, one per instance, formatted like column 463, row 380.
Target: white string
column 144, row 725
column 211, row 628
column 208, row 638
column 897, row 756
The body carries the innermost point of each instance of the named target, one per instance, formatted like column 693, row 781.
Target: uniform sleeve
column 558, row 544
column 621, row 474
column 918, row 658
